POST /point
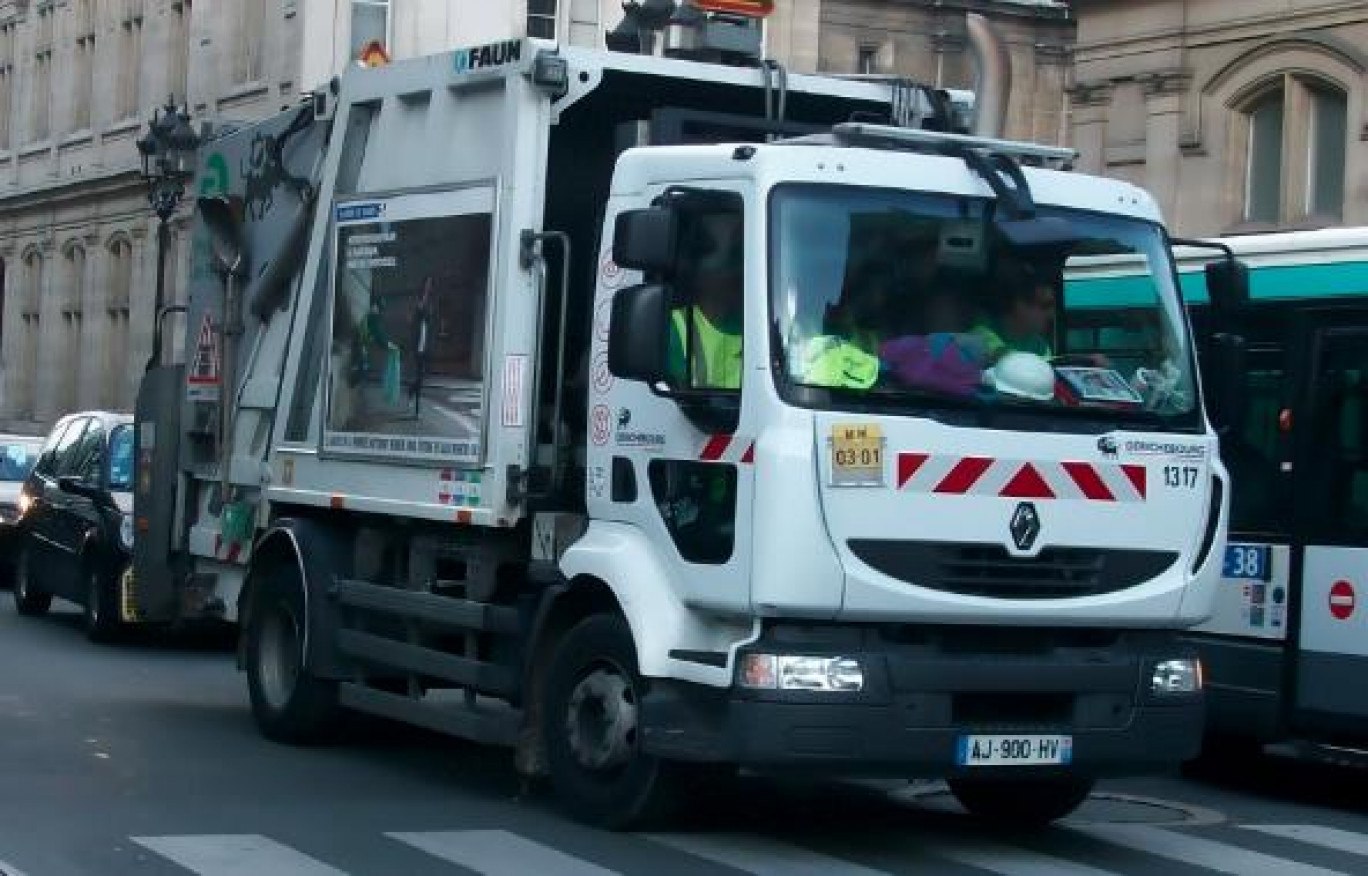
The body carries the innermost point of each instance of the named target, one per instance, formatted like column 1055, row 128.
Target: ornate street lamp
column 168, row 163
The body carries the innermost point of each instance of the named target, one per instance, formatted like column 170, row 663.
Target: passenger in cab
column 1024, row 301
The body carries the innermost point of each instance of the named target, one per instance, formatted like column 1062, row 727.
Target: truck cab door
column 1330, row 553
column 674, row 459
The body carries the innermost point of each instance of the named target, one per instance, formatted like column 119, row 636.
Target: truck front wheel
column 1022, row 802
column 590, row 726
column 288, row 703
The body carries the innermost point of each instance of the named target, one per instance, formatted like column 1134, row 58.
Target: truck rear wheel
column 590, row 717
column 1021, row 802
column 288, row 703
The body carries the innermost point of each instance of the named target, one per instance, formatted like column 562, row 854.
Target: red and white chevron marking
column 1021, row 479
column 728, row 448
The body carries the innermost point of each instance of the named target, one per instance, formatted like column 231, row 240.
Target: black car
column 18, row 453
column 76, row 533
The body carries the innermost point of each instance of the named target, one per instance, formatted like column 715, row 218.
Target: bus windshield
column 912, row 300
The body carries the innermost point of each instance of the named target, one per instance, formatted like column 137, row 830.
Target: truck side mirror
column 636, row 340
column 1227, row 282
column 645, row 240
column 1226, row 368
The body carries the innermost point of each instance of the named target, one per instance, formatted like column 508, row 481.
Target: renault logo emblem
column 1025, row 527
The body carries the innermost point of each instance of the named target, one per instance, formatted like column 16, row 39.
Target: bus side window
column 1252, row 456
column 1350, row 483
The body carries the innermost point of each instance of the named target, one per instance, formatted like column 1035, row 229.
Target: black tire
column 30, row 599
column 101, row 608
column 595, row 761
column 288, row 703
column 1023, row 802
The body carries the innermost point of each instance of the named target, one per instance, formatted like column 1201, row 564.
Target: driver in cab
column 705, row 347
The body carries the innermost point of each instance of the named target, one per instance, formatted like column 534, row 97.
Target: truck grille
column 989, row 570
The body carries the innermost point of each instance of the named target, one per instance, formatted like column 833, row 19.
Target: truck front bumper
column 920, row 698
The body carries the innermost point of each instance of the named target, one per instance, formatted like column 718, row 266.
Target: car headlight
column 126, row 532
column 25, row 502
column 801, row 672
column 1177, row 676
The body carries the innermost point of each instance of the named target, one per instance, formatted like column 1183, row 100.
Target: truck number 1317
column 1180, row 476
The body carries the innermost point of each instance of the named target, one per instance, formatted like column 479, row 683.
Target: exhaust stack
column 993, row 66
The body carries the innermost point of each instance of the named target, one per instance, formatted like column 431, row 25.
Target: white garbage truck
column 661, row 414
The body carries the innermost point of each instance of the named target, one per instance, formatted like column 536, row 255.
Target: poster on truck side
column 411, row 284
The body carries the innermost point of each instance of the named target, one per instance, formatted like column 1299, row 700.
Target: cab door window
column 704, row 348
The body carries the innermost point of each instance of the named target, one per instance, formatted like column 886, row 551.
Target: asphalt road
column 142, row 759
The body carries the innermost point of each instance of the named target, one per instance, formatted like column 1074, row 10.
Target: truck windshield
column 908, row 300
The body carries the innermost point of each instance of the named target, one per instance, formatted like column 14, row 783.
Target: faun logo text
column 492, row 55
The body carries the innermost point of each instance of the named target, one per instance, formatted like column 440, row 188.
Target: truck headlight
column 1182, row 676
column 126, row 532
column 800, row 672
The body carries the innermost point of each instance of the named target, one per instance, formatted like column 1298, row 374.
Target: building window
column 6, row 81
column 120, row 255
column 73, row 316
column 1264, row 176
column 370, row 22
column 129, row 96
column 83, row 72
column 82, row 29
column 40, row 115
column 179, row 49
column 251, row 40
column 1297, row 138
column 868, row 60
column 32, row 326
column 541, row 19
column 1329, row 136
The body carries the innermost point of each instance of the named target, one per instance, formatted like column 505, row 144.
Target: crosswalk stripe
column 498, row 853
column 1008, row 861
column 1316, row 835
column 761, row 856
column 1189, row 849
column 246, row 854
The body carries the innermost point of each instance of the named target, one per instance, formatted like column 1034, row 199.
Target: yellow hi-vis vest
column 717, row 354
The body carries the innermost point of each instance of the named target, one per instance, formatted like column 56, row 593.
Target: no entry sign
column 1341, row 600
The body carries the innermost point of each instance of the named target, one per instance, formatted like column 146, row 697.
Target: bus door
column 1330, row 509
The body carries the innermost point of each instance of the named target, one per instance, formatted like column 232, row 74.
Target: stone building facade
column 79, row 79
column 925, row 41
column 1239, row 117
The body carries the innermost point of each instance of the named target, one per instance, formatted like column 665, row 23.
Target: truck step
column 482, row 724
column 484, row 677
column 443, row 611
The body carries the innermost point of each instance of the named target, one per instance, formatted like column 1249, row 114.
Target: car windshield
column 16, row 460
column 909, row 300
column 121, row 459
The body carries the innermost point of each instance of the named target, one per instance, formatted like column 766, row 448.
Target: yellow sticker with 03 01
column 857, row 455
